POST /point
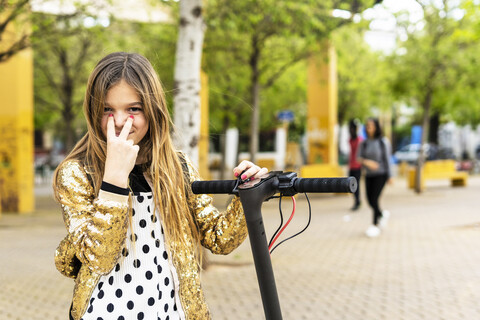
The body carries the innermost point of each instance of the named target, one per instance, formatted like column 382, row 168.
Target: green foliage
column 264, row 42
column 363, row 75
column 440, row 56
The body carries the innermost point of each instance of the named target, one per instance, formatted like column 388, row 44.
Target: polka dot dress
column 141, row 284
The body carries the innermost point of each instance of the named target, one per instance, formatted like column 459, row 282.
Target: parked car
column 410, row 153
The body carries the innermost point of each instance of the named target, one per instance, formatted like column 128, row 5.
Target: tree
column 14, row 33
column 363, row 77
column 63, row 53
column 271, row 37
column 187, row 77
column 428, row 62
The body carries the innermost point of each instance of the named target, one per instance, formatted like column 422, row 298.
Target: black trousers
column 374, row 186
column 356, row 173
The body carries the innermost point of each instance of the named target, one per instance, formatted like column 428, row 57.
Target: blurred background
column 276, row 82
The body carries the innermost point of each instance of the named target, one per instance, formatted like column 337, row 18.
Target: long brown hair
column 163, row 166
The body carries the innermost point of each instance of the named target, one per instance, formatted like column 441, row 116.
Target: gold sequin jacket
column 97, row 227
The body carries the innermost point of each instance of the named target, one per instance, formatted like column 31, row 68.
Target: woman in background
column 374, row 155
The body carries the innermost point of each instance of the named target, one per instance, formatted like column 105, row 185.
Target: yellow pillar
column 322, row 99
column 203, row 144
column 16, row 133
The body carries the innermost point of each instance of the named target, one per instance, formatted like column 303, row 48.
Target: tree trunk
column 66, row 94
column 187, row 78
column 421, row 157
column 226, row 124
column 255, row 93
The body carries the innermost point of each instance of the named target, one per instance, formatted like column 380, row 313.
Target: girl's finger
column 244, row 165
column 126, row 128
column 110, row 127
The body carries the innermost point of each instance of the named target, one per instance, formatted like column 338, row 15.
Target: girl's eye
column 135, row 109
column 107, row 110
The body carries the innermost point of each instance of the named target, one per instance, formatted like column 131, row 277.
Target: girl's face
column 370, row 128
column 123, row 101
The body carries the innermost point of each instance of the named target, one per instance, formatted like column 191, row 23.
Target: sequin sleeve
column 96, row 226
column 221, row 232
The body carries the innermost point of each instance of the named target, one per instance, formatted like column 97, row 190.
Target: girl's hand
column 121, row 154
column 371, row 164
column 251, row 170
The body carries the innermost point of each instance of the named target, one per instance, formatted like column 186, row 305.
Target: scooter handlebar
column 325, row 185
column 300, row 185
column 213, row 186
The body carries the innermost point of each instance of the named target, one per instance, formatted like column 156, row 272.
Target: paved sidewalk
column 425, row 265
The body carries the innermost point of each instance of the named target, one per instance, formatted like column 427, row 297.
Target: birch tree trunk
column 187, row 78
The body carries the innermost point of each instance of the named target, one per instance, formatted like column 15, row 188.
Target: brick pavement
column 424, row 266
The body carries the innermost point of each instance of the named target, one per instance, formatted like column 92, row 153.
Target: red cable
column 286, row 224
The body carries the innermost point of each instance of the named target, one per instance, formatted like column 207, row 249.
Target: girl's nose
column 120, row 119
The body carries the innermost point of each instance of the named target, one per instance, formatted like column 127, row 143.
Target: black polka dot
column 148, row 209
column 91, row 300
column 157, row 243
column 133, row 237
column 175, row 307
column 166, row 281
column 143, row 223
column 121, row 318
column 139, row 289
column 119, row 293
column 110, row 307
column 159, row 295
column 159, row 269
column 100, row 285
column 136, row 263
column 90, row 309
column 153, row 234
column 140, row 199
column 140, row 316
column 172, row 293
column 149, row 197
column 128, row 278
column 117, row 267
column 125, row 252
column 99, row 318
column 155, row 260
column 148, row 275
column 167, row 318
column 151, row 301
column 100, row 294
column 110, row 280
column 165, row 307
column 146, row 248
column 154, row 219
column 130, row 305
column 165, row 255
column 133, row 212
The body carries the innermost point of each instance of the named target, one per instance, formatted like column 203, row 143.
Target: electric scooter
column 252, row 194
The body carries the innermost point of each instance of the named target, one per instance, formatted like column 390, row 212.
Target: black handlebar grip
column 319, row 185
column 213, row 186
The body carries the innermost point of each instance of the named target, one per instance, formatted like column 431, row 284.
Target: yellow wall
column 203, row 144
column 16, row 133
column 322, row 102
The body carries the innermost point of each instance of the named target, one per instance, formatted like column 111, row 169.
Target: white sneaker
column 373, row 231
column 384, row 219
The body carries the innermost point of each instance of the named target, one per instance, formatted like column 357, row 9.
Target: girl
column 374, row 155
column 133, row 223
